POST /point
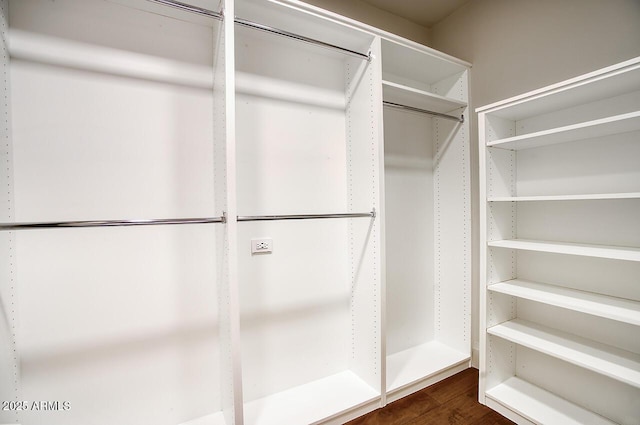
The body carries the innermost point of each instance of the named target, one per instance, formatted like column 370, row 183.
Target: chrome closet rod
column 371, row 214
column 260, row 27
column 190, row 8
column 423, row 111
column 108, row 223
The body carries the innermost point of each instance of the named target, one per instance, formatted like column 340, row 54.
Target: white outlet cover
column 261, row 246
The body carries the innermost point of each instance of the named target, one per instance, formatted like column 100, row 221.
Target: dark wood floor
column 453, row 401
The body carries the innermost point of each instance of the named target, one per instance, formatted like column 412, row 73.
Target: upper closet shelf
column 105, row 60
column 189, row 8
column 619, row 309
column 411, row 65
column 586, row 250
column 408, row 96
column 613, row 362
column 301, row 38
column 614, row 81
column 586, row 197
column 618, row 124
column 306, row 29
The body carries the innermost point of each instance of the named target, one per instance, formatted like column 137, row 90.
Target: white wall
column 363, row 12
column 520, row 45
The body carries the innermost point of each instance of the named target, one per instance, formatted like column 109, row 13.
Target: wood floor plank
column 462, row 382
column 461, row 410
column 453, row 401
column 400, row 411
column 492, row 418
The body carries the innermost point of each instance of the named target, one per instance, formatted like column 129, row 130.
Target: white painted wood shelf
column 409, row 64
column 409, row 96
column 311, row 403
column 213, row 419
column 585, row 197
column 60, row 52
column 615, row 80
column 421, row 362
column 540, row 406
column 622, row 310
column 603, row 127
column 617, row 364
column 586, row 250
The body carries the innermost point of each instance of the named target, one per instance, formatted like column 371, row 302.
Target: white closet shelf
column 613, row 362
column 585, row 197
column 619, row 309
column 213, row 419
column 418, row 363
column 311, row 402
column 618, row 124
column 616, row 80
column 65, row 53
column 417, row 65
column 409, row 96
column 541, row 406
column 586, row 250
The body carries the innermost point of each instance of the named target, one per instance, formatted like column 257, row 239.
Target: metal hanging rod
column 108, row 223
column 424, row 111
column 254, row 25
column 165, row 221
column 189, row 8
column 283, row 33
column 371, row 214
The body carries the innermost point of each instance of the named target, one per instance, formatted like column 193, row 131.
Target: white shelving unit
column 560, row 251
column 145, row 149
column 310, row 317
column 426, row 197
column 116, row 111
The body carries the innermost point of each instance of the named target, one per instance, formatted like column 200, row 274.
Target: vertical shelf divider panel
column 225, row 192
column 560, row 251
column 117, row 128
column 363, row 110
column 9, row 360
column 427, row 218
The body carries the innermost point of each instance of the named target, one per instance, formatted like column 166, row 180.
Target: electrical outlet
column 261, row 246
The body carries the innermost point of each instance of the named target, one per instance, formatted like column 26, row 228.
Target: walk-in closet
column 265, row 212
column 202, row 217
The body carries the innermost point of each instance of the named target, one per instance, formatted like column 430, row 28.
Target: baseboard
column 475, row 358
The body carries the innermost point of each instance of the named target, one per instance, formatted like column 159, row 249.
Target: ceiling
column 423, row 12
